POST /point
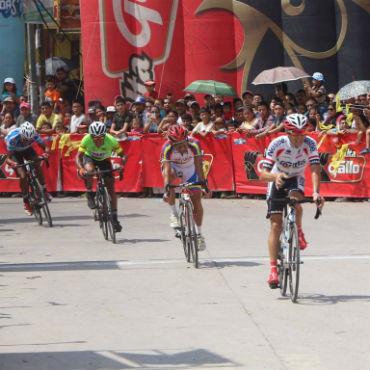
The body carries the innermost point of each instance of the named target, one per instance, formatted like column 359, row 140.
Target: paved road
column 70, row 300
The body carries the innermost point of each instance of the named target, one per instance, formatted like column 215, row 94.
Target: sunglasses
column 330, row 108
column 98, row 138
column 180, row 142
column 298, row 133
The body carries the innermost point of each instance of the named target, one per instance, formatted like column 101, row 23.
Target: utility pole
column 34, row 97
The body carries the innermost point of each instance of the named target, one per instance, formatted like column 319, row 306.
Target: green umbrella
column 211, row 87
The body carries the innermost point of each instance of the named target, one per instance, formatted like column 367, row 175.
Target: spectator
column 122, row 119
column 278, row 125
column 219, row 111
column 82, row 128
column 209, row 101
column 194, row 110
column 48, row 116
column 290, row 99
column 168, row 106
column 342, row 127
column 110, row 112
column 219, row 126
column 10, row 90
column 100, row 114
column 311, row 125
column 154, row 121
column 228, row 114
column 275, row 99
column 51, row 93
column 150, row 93
column 247, row 97
column 313, row 113
column 249, row 119
column 257, row 99
column 137, row 125
column 7, row 125
column 188, row 99
column 67, row 117
column 317, row 90
column 237, row 103
column 10, row 106
column 187, row 121
column 26, row 114
column 281, row 90
column 311, row 102
column 169, row 120
column 331, row 119
column 78, row 116
column 302, row 109
column 91, row 113
column 180, row 108
column 60, row 129
column 301, row 96
column 205, row 126
column 140, row 109
column 219, row 99
column 65, row 85
column 264, row 122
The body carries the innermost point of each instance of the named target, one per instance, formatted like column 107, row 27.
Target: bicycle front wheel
column 193, row 240
column 294, row 263
column 35, row 199
column 44, row 205
column 184, row 232
column 104, row 203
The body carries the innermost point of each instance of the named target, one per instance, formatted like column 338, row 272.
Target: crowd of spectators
column 250, row 114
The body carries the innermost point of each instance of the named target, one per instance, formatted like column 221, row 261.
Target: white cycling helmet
column 296, row 122
column 27, row 131
column 97, row 129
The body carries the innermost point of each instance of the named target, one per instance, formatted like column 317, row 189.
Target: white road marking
column 85, row 265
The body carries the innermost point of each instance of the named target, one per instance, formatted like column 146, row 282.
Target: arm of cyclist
column 278, row 178
column 198, row 162
column 167, row 181
column 9, row 161
column 316, row 178
column 46, row 149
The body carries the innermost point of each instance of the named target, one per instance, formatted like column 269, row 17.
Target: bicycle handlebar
column 187, row 184
column 292, row 201
column 32, row 162
column 101, row 172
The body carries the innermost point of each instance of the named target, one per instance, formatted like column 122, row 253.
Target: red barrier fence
column 236, row 164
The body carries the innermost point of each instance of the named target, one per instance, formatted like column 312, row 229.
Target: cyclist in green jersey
column 95, row 151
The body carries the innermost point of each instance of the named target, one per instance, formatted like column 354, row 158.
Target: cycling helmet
column 97, row 129
column 177, row 133
column 27, row 131
column 296, row 122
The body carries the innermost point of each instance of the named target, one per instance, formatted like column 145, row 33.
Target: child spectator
column 78, row 117
column 47, row 115
column 317, row 91
column 219, row 126
column 228, row 114
column 67, row 117
column 154, row 120
column 169, row 120
column 187, row 122
column 10, row 89
column 110, row 111
column 60, row 129
column 137, row 126
column 205, row 126
column 51, row 93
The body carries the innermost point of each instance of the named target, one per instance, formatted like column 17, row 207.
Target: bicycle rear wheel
column 294, row 263
column 193, row 241
column 44, row 204
column 184, row 232
column 106, row 220
column 100, row 200
column 283, row 273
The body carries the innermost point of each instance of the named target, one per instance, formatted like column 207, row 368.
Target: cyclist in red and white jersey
column 181, row 154
column 286, row 160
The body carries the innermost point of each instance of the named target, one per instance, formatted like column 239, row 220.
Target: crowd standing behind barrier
column 248, row 121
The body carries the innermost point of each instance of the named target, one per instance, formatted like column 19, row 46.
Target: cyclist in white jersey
column 286, row 160
column 183, row 154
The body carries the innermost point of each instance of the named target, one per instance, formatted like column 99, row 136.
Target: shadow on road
column 111, row 360
column 223, row 264
column 135, row 241
column 316, row 299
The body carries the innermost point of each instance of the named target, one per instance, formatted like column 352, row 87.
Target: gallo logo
column 350, row 169
column 135, row 35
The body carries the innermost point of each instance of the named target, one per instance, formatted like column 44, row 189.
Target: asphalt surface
column 71, row 300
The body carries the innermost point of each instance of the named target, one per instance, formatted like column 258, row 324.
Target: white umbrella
column 279, row 74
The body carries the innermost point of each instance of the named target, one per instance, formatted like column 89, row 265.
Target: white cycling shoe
column 201, row 242
column 174, row 221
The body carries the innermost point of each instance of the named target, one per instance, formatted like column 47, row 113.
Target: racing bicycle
column 186, row 231
column 103, row 210
column 36, row 193
column 289, row 255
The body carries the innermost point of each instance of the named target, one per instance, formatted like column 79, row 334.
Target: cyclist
column 284, row 166
column 181, row 154
column 19, row 148
column 95, row 151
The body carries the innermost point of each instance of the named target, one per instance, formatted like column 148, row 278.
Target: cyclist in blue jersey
column 19, row 148
column 183, row 154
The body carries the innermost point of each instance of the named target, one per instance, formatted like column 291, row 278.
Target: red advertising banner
column 344, row 173
column 9, row 181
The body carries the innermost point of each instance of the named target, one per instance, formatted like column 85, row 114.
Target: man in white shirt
column 78, row 116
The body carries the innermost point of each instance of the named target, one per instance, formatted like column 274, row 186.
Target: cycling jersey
column 183, row 163
column 14, row 141
column 282, row 156
column 100, row 153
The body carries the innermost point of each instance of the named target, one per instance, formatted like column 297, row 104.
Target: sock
column 174, row 210
column 273, row 265
column 198, row 229
column 300, row 229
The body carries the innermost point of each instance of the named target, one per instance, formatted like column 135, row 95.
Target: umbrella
column 354, row 89
column 53, row 63
column 211, row 87
column 279, row 74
